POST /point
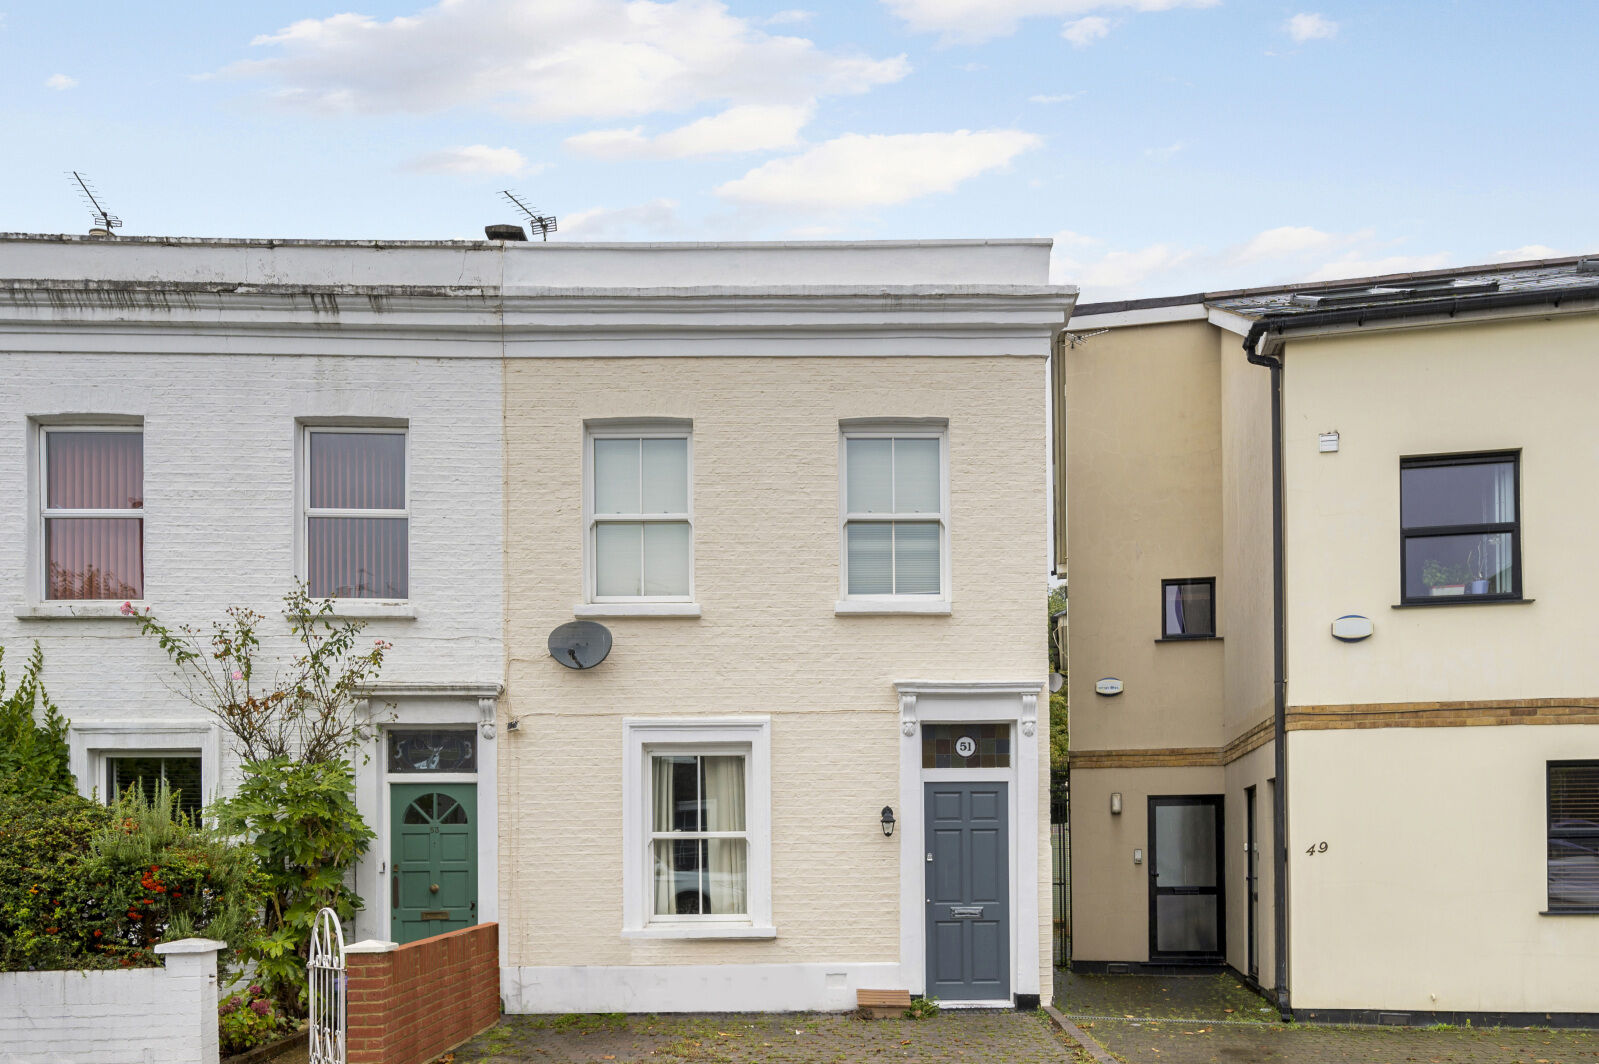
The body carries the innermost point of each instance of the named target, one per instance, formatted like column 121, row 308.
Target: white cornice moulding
column 1144, row 316
column 428, row 689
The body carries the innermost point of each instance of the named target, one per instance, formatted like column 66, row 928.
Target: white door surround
column 1012, row 703
column 423, row 705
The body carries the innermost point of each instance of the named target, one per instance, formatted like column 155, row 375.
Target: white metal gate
column 325, row 969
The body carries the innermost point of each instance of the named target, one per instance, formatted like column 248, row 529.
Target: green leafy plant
column 33, row 735
column 306, row 834
column 1437, row 574
column 86, row 886
column 922, row 1008
column 249, row 1018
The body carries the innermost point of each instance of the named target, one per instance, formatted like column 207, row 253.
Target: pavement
column 951, row 1037
column 1214, row 1019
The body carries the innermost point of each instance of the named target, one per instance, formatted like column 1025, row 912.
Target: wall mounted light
column 1115, row 803
column 888, row 820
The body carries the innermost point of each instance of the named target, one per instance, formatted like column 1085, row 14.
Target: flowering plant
column 247, row 1019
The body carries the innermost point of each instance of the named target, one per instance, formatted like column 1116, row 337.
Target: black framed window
column 180, row 772
column 1460, row 527
column 1188, row 608
column 434, row 750
column 1574, row 836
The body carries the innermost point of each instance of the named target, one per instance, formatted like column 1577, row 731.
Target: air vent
column 1588, row 265
column 504, row 232
column 1395, row 292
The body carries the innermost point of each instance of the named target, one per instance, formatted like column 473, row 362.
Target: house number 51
column 1316, row 847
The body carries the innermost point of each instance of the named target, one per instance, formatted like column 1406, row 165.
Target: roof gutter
column 1272, row 329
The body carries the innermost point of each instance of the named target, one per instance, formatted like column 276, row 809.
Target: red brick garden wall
column 413, row 1003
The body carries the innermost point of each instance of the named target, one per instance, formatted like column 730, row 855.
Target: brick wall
column 408, row 1004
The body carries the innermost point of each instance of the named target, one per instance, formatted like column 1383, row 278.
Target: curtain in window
column 351, row 556
column 94, row 557
column 728, row 864
column 664, row 805
column 641, row 558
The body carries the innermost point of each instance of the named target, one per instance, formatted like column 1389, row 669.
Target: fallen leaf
column 1227, row 1010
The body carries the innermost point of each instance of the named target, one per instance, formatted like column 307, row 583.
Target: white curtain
column 665, row 804
column 728, row 864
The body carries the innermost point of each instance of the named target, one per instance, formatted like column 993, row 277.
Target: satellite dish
column 580, row 644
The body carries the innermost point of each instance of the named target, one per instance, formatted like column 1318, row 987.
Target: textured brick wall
column 413, row 1003
column 766, row 496
column 220, row 507
column 165, row 1013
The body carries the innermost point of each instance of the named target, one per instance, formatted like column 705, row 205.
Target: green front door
column 433, row 871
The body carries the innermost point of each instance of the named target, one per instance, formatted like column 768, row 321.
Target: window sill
column 931, row 607
column 681, row 931
column 78, row 610
column 1453, row 600
column 636, row 609
column 1587, row 910
column 371, row 609
column 1189, row 639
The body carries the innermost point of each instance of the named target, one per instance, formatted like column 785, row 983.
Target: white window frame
column 595, row 604
column 90, row 744
column 920, row 429
column 45, row 512
column 643, row 739
column 350, row 606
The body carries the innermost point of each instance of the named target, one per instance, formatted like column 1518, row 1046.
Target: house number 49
column 1316, row 847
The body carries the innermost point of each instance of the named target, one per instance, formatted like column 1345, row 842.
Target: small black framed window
column 1574, row 836
column 1460, row 527
column 1188, row 608
column 179, row 772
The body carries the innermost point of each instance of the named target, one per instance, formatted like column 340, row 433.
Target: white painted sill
column 636, row 609
column 682, row 931
column 370, row 609
column 929, row 607
column 76, row 610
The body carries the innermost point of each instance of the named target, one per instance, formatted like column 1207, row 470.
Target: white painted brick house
column 802, row 485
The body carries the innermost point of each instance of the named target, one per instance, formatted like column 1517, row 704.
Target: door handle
column 394, row 892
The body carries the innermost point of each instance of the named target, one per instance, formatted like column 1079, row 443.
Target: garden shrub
column 248, row 1019
column 86, row 886
column 33, row 735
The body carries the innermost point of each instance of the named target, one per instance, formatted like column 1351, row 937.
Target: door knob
column 434, row 889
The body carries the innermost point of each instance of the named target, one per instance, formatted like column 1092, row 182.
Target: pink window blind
column 354, row 547
column 100, row 554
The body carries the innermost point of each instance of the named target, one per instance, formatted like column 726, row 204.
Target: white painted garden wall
column 141, row 1016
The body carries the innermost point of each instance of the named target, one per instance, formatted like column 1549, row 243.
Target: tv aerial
column 103, row 219
column 580, row 644
column 544, row 223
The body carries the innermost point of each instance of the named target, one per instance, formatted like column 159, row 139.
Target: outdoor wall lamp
column 888, row 820
column 1115, row 803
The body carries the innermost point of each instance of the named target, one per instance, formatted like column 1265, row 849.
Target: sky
column 1167, row 146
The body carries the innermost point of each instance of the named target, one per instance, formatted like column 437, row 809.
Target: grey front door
column 968, row 891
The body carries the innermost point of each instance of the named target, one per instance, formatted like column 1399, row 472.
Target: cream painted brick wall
column 767, row 545
column 220, row 507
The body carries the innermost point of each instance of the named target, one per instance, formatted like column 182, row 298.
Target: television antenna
column 544, row 223
column 102, row 218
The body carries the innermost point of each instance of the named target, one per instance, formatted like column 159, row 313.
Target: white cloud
column 878, row 170
column 553, row 61
column 1058, row 97
column 1085, row 31
column 971, row 21
column 1310, row 27
column 1529, row 251
column 1163, row 155
column 789, row 17
column 472, row 159
column 752, row 127
column 655, row 217
column 1281, row 255
column 60, row 81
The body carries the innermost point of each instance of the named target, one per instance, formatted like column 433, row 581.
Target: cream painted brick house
column 803, row 486
column 1365, row 777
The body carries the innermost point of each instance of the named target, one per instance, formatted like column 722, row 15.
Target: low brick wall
column 408, row 1004
column 144, row 1014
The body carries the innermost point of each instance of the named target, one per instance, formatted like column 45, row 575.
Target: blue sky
column 1167, row 146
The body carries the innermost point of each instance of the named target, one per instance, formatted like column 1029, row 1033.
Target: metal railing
column 325, row 971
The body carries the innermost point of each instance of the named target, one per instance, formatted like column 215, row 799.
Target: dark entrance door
column 1186, row 902
column 433, row 867
column 1251, row 880
column 968, row 891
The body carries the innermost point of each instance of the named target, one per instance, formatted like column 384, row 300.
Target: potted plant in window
column 1442, row 579
column 1475, row 562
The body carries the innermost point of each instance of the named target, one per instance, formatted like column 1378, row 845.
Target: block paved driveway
column 789, row 1038
column 1214, row 1020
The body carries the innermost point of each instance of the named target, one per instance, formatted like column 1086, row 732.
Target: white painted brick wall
column 220, row 507
column 145, row 1016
